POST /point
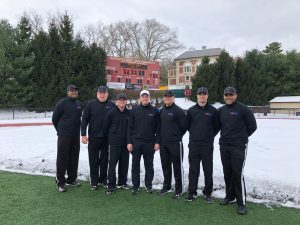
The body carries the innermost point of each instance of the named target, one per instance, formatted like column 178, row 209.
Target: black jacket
column 66, row 117
column 203, row 124
column 237, row 123
column 116, row 126
column 93, row 116
column 144, row 125
column 173, row 124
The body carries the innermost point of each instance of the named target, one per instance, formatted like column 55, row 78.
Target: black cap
column 229, row 90
column 169, row 93
column 72, row 87
column 121, row 95
column 102, row 89
column 202, row 90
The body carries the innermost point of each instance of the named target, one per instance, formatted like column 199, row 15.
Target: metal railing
column 25, row 113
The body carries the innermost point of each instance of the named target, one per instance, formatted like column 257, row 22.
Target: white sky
column 236, row 25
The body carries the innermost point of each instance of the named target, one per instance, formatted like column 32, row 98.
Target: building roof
column 284, row 99
column 199, row 53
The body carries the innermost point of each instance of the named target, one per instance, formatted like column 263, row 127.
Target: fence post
column 13, row 113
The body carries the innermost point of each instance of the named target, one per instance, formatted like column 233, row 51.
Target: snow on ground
column 271, row 172
column 22, row 114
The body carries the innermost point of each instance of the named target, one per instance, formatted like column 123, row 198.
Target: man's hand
column 84, row 139
column 130, row 147
column 156, row 147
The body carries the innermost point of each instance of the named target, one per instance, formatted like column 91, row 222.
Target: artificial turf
column 28, row 199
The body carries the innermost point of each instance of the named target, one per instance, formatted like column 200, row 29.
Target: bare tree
column 149, row 40
column 93, row 33
column 159, row 41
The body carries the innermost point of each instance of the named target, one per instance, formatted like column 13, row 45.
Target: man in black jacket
column 203, row 126
column 94, row 117
column 173, row 127
column 237, row 123
column 66, row 120
column 116, row 124
column 143, row 138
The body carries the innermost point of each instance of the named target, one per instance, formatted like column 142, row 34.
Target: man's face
column 122, row 102
column 202, row 98
column 230, row 98
column 73, row 93
column 102, row 96
column 144, row 99
column 168, row 100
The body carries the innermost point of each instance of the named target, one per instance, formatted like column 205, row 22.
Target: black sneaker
column 123, row 186
column 242, row 210
column 149, row 190
column 110, row 191
column 94, row 188
column 226, row 201
column 61, row 188
column 73, row 184
column 165, row 191
column 209, row 199
column 191, row 197
column 177, row 195
column 103, row 185
column 135, row 191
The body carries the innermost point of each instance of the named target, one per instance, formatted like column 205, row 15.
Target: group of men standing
column 114, row 132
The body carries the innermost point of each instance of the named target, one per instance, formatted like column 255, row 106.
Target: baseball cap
column 229, row 90
column 202, row 90
column 144, row 92
column 169, row 93
column 72, row 87
column 102, row 89
column 121, row 95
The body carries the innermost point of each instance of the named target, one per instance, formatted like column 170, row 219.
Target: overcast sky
column 236, row 25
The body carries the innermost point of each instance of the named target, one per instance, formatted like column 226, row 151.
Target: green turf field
column 26, row 199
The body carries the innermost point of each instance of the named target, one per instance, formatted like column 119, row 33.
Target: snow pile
column 271, row 172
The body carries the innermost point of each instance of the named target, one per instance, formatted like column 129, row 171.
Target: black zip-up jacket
column 203, row 124
column 116, row 126
column 66, row 117
column 173, row 124
column 144, row 125
column 93, row 116
column 237, row 123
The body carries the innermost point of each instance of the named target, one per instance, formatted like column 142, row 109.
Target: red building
column 134, row 74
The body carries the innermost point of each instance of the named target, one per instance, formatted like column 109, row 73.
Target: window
column 108, row 71
column 181, row 79
column 119, row 80
column 140, row 73
column 143, row 72
column 187, row 78
column 187, row 68
column 128, row 80
column 148, row 82
column 139, row 81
